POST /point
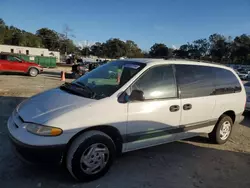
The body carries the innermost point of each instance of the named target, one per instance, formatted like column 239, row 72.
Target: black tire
column 80, row 145
column 33, row 72
column 215, row 135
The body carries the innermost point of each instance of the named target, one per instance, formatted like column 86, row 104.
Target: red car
column 11, row 63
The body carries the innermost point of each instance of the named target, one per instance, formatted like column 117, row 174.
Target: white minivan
column 126, row 105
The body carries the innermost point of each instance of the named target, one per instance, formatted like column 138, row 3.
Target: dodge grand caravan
column 85, row 124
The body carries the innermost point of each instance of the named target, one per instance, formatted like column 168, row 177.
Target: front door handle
column 187, row 106
column 174, row 108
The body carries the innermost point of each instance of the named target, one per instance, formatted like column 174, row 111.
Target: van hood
column 50, row 104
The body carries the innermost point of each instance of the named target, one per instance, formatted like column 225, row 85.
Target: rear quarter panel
column 234, row 101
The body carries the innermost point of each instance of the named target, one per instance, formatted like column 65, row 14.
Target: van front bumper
column 38, row 154
column 32, row 148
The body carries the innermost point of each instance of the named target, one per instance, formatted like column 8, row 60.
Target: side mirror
column 136, row 95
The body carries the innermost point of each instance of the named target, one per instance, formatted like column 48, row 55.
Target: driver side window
column 11, row 58
column 3, row 57
column 157, row 83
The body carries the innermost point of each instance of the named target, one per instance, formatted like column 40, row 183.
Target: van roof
column 175, row 61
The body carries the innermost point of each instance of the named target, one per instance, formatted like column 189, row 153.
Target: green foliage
column 115, row 48
column 31, row 40
column 132, row 50
column 50, row 38
column 85, row 51
column 98, row 49
column 44, row 37
column 241, row 48
column 158, row 51
column 216, row 48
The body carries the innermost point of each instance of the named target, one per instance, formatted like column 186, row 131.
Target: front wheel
column 222, row 130
column 33, row 72
column 90, row 155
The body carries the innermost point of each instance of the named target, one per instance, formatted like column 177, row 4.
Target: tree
column 97, row 49
column 187, row 50
column 2, row 23
column 219, row 46
column 216, row 48
column 50, row 38
column 31, row 40
column 85, row 51
column 2, row 30
column 159, row 50
column 67, row 46
column 17, row 36
column 115, row 48
column 170, row 52
column 14, row 36
column 201, row 47
column 241, row 48
column 132, row 50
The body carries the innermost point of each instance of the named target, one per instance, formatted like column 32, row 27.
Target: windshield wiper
column 68, row 87
column 86, row 87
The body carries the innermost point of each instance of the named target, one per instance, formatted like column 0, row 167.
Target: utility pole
column 87, row 52
column 66, row 36
column 66, row 31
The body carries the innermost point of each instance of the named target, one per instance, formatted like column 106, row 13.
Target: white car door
column 196, row 85
column 156, row 118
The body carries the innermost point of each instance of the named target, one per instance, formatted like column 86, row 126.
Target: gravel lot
column 190, row 163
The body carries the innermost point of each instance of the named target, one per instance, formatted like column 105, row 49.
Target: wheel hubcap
column 225, row 130
column 33, row 72
column 94, row 158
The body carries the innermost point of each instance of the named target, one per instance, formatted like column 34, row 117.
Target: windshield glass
column 108, row 78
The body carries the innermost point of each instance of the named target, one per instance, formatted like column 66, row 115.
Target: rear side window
column 13, row 58
column 195, row 81
column 3, row 57
column 157, row 83
column 226, row 81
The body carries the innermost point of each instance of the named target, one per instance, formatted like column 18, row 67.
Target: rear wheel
column 90, row 155
column 222, row 130
column 33, row 72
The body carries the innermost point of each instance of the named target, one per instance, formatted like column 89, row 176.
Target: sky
column 172, row 22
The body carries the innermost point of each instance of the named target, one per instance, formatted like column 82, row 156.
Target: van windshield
column 107, row 79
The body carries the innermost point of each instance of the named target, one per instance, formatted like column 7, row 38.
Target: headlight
column 43, row 130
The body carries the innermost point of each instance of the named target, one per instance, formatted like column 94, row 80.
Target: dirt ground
column 191, row 163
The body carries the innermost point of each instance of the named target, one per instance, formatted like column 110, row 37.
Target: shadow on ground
column 13, row 73
column 246, row 121
column 177, row 164
column 49, row 74
column 57, row 74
